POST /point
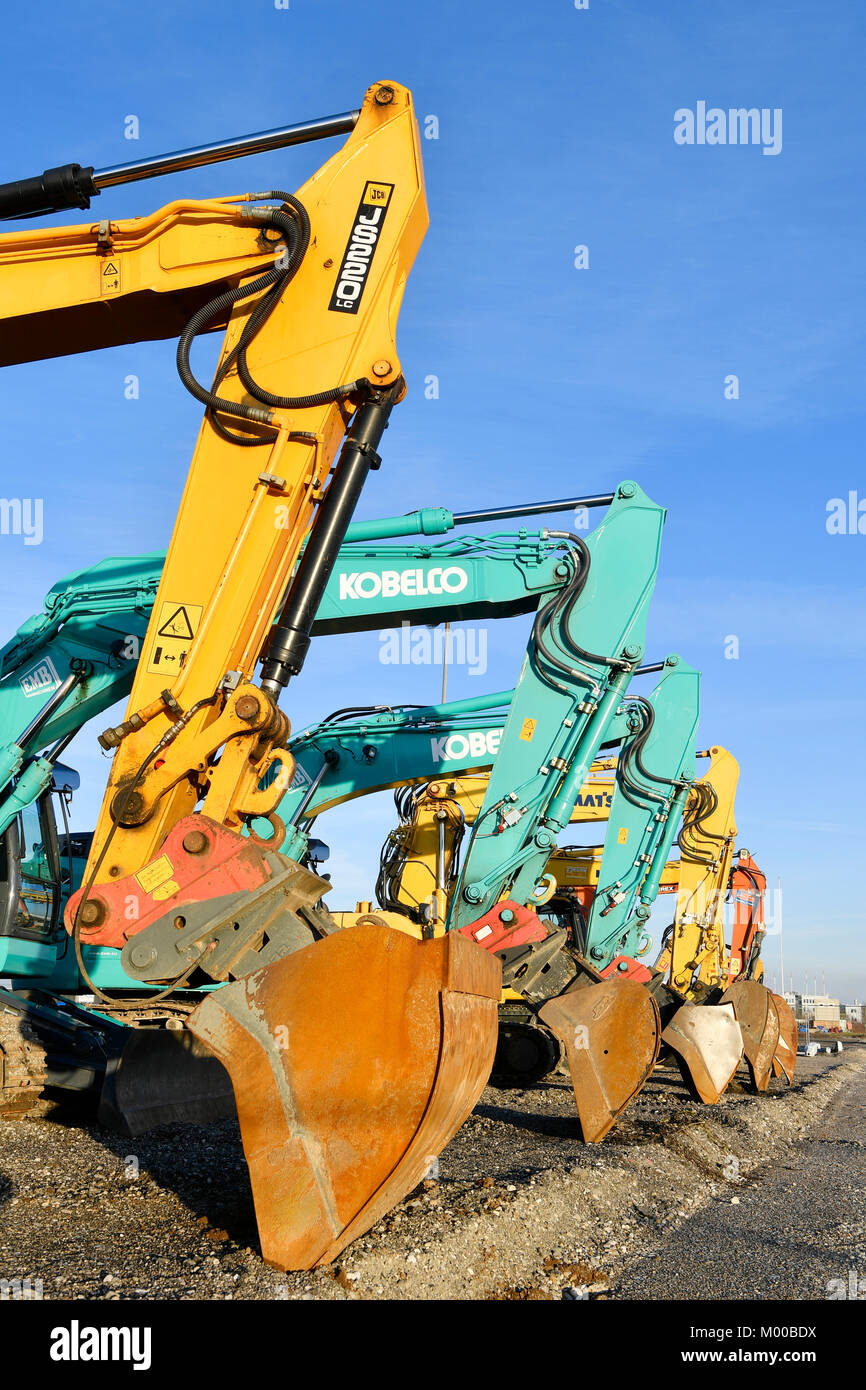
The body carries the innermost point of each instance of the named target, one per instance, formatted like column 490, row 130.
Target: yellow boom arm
column 308, row 287
column 245, row 510
column 706, row 850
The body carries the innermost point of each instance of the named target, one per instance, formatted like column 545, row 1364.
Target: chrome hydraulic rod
column 73, row 185
column 563, row 504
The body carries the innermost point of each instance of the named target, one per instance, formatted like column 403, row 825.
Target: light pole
column 779, row 916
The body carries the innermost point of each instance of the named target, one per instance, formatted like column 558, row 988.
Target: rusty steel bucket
column 354, row 1060
column 759, row 1020
column 611, row 1035
column 708, row 1042
column 785, row 1056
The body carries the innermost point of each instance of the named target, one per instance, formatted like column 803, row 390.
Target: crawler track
column 22, row 1068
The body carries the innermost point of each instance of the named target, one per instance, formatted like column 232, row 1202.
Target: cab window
column 35, row 910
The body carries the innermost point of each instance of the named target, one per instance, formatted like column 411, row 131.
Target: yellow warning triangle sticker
column 110, row 269
column 178, row 625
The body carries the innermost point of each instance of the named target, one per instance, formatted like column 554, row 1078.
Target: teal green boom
column 654, row 773
column 585, row 645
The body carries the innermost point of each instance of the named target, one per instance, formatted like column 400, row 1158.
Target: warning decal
column 176, row 626
column 109, row 278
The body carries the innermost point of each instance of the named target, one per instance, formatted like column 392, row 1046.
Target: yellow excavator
column 419, row 869
column 696, row 955
column 354, row 1055
column 419, row 861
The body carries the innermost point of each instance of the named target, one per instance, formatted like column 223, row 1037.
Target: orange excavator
column 354, row 1055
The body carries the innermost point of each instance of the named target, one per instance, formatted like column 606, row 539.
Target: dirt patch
column 518, row 1208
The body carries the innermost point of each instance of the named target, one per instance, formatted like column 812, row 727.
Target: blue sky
column 555, row 130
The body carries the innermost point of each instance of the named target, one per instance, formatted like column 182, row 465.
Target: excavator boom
column 308, row 286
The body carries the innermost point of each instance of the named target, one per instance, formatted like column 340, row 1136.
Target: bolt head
column 384, row 96
column 195, row 842
column 247, row 708
column 143, row 955
column 92, row 913
column 506, row 915
column 382, row 367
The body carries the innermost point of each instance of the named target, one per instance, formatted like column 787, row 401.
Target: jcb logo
column 361, row 247
column 415, row 583
column 479, row 743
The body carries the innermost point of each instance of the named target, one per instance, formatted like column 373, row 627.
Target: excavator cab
column 35, row 877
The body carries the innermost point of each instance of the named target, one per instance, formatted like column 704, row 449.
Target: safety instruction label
column 154, row 874
column 622, row 835
column 165, row 890
column 527, row 730
column 176, row 626
column 109, row 276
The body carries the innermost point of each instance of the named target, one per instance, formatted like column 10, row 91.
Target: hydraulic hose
column 294, row 228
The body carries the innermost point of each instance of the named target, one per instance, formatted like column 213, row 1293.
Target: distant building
column 854, row 1013
column 819, row 1008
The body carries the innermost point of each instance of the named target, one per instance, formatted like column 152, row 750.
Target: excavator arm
column 653, row 778
column 306, row 382
column 738, row 1015
column 438, row 758
column 585, row 645
column 706, row 844
column 79, row 654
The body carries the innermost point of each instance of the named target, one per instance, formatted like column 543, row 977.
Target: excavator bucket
column 757, row 1016
column 353, row 1060
column 611, row 1035
column 708, row 1042
column 163, row 1076
column 785, row 1056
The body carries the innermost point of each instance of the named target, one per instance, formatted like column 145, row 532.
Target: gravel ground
column 761, row 1244
column 518, row 1209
